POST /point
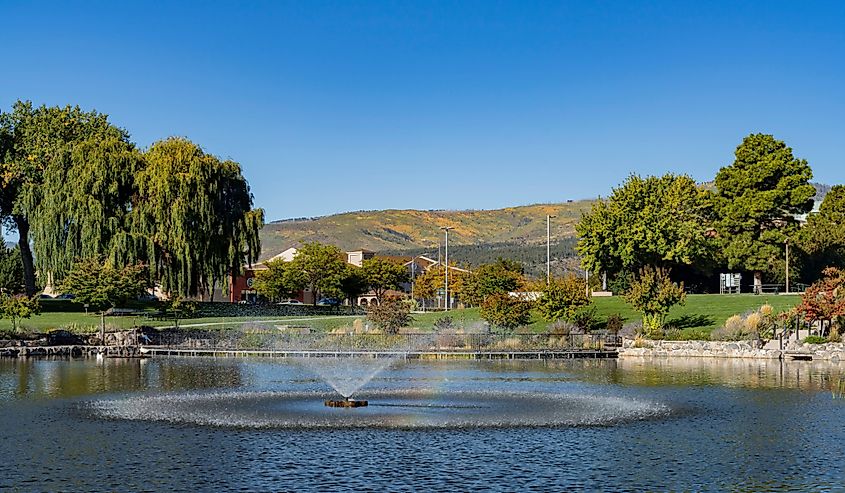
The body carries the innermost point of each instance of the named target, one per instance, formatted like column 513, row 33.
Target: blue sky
column 336, row 106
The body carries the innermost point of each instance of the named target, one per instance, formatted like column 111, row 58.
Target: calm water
column 259, row 425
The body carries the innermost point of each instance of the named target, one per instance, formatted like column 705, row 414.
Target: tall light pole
column 549, row 248
column 446, row 229
column 787, row 265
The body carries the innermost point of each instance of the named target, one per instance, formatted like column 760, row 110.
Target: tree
column 822, row 239
column 353, row 283
column 824, row 300
column 391, row 314
column 11, row 270
column 657, row 221
column 274, row 283
column 502, row 276
column 320, row 268
column 101, row 285
column 653, row 293
column 505, row 311
column 758, row 197
column 192, row 219
column 31, row 141
column 383, row 274
column 16, row 307
column 562, row 298
column 429, row 285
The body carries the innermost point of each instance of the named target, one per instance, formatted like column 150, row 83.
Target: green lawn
column 702, row 311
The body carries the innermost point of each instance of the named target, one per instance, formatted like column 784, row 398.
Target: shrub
column 562, row 299
column 675, row 334
column 391, row 314
column 505, row 311
column 585, row 319
column 631, row 330
column 563, row 328
column 653, row 293
column 614, row 323
column 444, row 322
column 815, row 340
column 738, row 328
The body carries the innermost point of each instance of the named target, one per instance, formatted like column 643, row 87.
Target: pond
column 206, row 424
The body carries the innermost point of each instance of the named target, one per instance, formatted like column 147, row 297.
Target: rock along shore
column 833, row 352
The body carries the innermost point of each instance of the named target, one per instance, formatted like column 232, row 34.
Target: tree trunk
column 758, row 282
column 22, row 225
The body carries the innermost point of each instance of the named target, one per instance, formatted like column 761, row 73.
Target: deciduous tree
column 505, row 311
column 502, row 276
column 383, row 274
column 319, row 267
column 653, row 293
column 192, row 219
column 34, row 140
column 657, row 221
column 824, row 300
column 18, row 306
column 391, row 314
column 562, row 298
column 274, row 283
column 101, row 285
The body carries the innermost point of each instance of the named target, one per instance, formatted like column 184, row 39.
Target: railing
column 269, row 340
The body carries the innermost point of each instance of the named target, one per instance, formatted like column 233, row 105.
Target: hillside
column 400, row 230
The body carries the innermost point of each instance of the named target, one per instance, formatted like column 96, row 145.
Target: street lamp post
column 787, row 265
column 549, row 248
column 446, row 291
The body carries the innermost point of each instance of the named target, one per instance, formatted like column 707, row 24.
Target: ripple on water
column 388, row 409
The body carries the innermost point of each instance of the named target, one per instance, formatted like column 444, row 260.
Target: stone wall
column 697, row 349
column 833, row 352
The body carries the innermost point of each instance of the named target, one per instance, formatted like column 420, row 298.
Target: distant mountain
column 405, row 230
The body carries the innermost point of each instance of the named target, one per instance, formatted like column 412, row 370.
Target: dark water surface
column 259, row 425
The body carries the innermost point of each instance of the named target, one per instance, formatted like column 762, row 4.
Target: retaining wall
column 735, row 349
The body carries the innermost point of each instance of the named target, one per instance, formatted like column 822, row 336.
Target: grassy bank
column 701, row 312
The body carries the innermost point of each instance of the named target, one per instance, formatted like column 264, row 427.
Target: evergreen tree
column 758, row 197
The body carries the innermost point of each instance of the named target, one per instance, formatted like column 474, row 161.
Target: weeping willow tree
column 43, row 155
column 191, row 219
column 81, row 208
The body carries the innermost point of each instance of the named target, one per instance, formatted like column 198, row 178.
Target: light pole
column 446, row 229
column 787, row 265
column 549, row 248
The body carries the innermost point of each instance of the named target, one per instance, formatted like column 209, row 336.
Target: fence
column 270, row 340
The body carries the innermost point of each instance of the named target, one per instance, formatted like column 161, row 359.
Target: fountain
column 421, row 397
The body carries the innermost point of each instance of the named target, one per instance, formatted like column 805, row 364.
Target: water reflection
column 62, row 378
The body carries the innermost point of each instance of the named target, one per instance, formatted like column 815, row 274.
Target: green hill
column 406, row 230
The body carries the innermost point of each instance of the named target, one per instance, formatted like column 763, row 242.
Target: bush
column 563, row 328
column 444, row 322
column 614, row 323
column 585, row 319
column 631, row 330
column 674, row 334
column 391, row 314
column 505, row 311
column 750, row 326
column 738, row 328
column 815, row 340
column 562, row 299
column 653, row 293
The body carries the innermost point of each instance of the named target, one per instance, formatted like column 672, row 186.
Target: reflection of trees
column 731, row 372
column 197, row 374
column 74, row 378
